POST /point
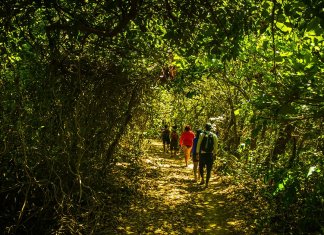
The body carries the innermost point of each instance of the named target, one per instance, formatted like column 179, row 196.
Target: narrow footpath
column 175, row 204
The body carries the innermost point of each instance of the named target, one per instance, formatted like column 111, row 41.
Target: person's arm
column 181, row 138
column 194, row 146
column 199, row 143
column 215, row 144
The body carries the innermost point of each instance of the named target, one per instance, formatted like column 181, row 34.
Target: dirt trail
column 175, row 204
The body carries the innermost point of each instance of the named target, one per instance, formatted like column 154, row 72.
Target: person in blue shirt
column 194, row 156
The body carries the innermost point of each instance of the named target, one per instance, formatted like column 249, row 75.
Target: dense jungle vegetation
column 85, row 83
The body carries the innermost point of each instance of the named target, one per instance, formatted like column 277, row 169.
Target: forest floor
column 174, row 203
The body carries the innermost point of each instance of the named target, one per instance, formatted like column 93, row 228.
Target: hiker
column 186, row 142
column 194, row 155
column 174, row 142
column 166, row 138
column 206, row 150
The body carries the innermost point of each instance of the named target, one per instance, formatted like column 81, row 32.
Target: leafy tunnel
column 87, row 85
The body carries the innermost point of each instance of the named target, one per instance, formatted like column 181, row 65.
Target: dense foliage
column 267, row 105
column 81, row 80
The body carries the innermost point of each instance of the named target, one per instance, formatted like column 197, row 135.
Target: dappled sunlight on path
column 175, row 204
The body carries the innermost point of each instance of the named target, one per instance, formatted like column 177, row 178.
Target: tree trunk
column 280, row 145
column 294, row 155
column 128, row 116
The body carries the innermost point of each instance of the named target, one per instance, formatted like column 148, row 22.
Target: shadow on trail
column 175, row 204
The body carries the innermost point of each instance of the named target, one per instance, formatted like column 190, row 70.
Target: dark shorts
column 174, row 145
column 166, row 140
column 206, row 159
column 194, row 157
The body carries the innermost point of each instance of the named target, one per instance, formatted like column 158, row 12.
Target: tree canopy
column 82, row 82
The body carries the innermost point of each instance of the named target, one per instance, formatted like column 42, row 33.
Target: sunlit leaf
column 281, row 186
column 311, row 170
column 283, row 27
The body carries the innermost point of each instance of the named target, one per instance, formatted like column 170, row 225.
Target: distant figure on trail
column 174, row 145
column 206, row 149
column 195, row 156
column 186, row 142
column 166, row 138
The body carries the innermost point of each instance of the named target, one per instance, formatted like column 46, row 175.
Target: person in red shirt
column 186, row 142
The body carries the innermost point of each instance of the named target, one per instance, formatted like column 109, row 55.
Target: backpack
column 207, row 143
column 174, row 136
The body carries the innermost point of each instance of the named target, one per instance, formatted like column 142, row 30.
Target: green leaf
column 281, row 186
column 283, row 27
column 265, row 45
column 279, row 59
column 311, row 170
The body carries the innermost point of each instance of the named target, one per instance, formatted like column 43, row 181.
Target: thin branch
column 273, row 37
column 217, row 21
column 80, row 26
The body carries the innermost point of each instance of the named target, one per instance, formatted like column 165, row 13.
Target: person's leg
column 198, row 171
column 185, row 148
column 176, row 150
column 201, row 168
column 187, row 155
column 195, row 169
column 168, row 145
column 171, row 149
column 209, row 166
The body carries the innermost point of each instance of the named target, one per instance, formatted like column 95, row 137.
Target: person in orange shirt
column 186, row 142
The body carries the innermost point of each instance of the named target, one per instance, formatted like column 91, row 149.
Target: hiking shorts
column 206, row 159
column 174, row 145
column 194, row 157
column 186, row 151
column 166, row 140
